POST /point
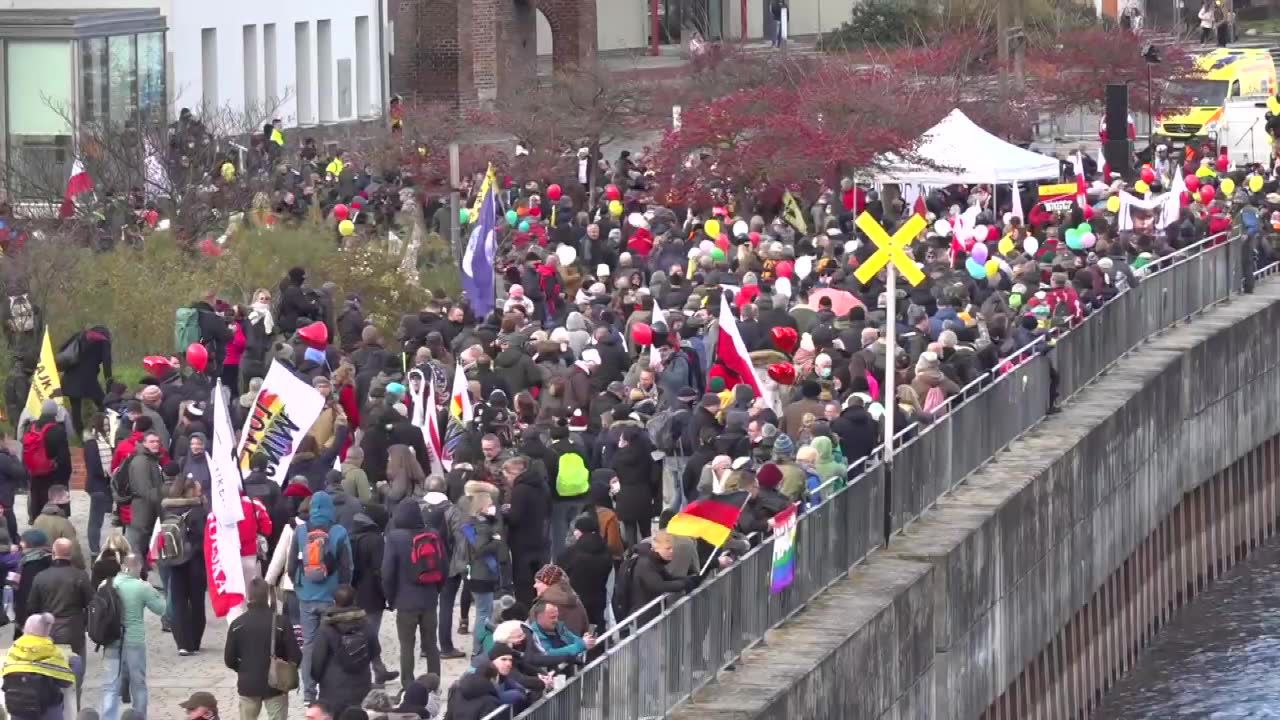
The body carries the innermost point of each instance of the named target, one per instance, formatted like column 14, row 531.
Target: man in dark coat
column 857, row 430
column 613, row 359
column 36, row 558
column 297, row 307
column 58, row 447
column 388, row 427
column 91, row 349
column 640, row 477
column 651, row 579
column 215, row 333
column 526, row 516
column 63, row 590
column 588, row 563
column 415, row 603
column 367, row 551
column 339, row 660
column 248, row 651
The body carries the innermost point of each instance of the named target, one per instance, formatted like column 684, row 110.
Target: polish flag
column 460, row 397
column 658, row 317
column 78, row 183
column 731, row 351
column 1082, row 186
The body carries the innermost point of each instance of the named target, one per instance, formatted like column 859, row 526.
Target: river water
column 1219, row 658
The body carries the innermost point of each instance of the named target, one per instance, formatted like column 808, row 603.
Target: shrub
column 877, row 23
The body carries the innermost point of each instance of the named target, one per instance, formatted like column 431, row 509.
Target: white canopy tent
column 957, row 151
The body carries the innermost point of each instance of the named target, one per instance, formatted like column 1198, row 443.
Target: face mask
column 824, row 372
column 491, row 511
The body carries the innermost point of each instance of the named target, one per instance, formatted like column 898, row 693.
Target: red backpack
column 35, row 453
column 427, row 558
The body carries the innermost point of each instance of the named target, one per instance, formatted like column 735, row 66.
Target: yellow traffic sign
column 891, row 248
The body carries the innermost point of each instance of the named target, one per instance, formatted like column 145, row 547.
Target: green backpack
column 573, row 478
column 186, row 329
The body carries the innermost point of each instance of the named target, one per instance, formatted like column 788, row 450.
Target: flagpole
column 890, row 364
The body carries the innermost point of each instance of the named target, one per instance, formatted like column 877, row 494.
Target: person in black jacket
column 526, row 514
column 91, row 350
column 415, row 602
column 351, row 323
column 857, row 429
column 588, row 563
column 650, row 578
column 387, row 427
column 341, row 659
column 266, row 491
column 186, row 580
column 248, row 652
column 36, row 558
column 297, row 306
column 639, row 477
column 367, row 546
column 13, row 476
column 215, row 333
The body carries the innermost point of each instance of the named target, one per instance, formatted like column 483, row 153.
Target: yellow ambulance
column 1227, row 74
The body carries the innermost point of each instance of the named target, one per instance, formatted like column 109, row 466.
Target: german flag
column 711, row 518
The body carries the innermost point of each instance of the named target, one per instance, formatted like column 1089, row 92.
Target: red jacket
column 256, row 522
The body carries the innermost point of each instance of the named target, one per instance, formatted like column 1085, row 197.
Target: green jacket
column 827, row 466
column 137, row 596
column 355, row 482
column 794, row 480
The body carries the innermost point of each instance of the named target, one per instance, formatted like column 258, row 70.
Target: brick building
column 470, row 52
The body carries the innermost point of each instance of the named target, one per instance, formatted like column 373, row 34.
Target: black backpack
column 30, row 695
column 353, row 650
column 622, row 586
column 105, row 615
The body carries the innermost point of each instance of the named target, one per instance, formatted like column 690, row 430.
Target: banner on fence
column 784, row 550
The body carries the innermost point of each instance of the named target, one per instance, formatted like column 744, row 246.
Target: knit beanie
column 769, row 476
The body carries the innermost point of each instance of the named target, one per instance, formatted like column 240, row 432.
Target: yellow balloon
column 615, row 208
column 1255, row 183
column 347, row 228
column 1006, row 246
column 1113, row 204
column 712, row 227
column 1142, row 187
column 1205, row 171
column 1228, row 186
column 993, row 268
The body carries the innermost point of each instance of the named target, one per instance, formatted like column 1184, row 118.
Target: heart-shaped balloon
column 783, row 373
column 785, row 338
column 315, row 335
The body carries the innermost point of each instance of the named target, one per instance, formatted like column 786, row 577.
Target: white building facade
column 309, row 63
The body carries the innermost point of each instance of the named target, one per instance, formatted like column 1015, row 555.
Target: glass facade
column 122, row 79
column 40, row 108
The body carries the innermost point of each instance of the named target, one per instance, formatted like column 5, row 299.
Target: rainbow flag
column 784, row 550
column 711, row 518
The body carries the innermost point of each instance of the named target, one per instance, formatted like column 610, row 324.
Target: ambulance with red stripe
column 1197, row 106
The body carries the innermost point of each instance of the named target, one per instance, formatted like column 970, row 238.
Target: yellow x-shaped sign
column 891, row 248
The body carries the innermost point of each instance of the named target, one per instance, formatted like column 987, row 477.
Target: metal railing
column 648, row 672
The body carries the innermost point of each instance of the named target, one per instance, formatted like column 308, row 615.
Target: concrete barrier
column 1040, row 568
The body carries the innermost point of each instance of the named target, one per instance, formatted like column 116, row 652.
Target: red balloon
column 785, row 338
column 536, row 211
column 1148, row 175
column 315, row 335
column 357, row 204
column 1185, row 199
column 555, row 192
column 642, row 334
column 341, row 212
column 1193, row 182
column 785, row 269
column 993, row 233
column 1223, row 163
column 612, row 192
column 364, row 194
column 1088, row 212
column 783, row 373
column 197, row 357
column 754, row 237
column 1207, row 193
column 522, row 211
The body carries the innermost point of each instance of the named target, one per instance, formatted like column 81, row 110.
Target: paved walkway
column 172, row 679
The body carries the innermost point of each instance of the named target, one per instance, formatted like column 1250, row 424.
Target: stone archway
column 471, row 52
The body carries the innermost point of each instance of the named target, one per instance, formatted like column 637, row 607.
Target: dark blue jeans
column 99, row 506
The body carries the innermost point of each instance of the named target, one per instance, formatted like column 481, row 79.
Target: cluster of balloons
column 979, row 270
column 1081, row 237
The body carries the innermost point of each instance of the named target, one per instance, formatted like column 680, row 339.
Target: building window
column 209, row 67
column 95, row 79
column 250, row 50
column 152, row 100
column 363, row 106
column 39, row 107
column 344, row 88
column 302, row 66
column 270, row 91
column 324, row 68
column 124, row 79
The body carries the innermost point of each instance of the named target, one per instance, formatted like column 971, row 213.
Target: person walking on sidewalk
column 414, row 568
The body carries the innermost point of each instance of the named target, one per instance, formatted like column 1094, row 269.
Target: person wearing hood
column 354, row 480
column 367, row 552
column 640, row 484
column 613, row 358
column 475, row 696
column 408, row 584
column 345, row 507
column 351, row 323
column 553, row 586
column 526, row 516
column 342, row 657
column 182, row 526
column 195, row 465
column 54, row 466
column 587, row 564
column 515, row 367
column 36, row 673
column 53, row 522
column 444, row 517
column 826, row 466
column 321, row 563
column 579, row 334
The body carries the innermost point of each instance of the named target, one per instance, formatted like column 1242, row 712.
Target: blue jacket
column 338, row 546
column 559, row 644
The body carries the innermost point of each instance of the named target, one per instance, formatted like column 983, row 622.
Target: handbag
column 282, row 675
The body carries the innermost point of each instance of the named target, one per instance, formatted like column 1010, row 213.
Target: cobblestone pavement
column 171, row 679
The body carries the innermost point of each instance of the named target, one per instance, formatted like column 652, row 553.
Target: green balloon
column 524, row 226
column 512, row 217
column 717, row 255
column 1084, row 228
column 464, row 216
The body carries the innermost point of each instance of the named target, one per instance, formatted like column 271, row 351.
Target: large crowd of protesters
column 600, row 408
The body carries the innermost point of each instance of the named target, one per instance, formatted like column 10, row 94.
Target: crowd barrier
column 648, row 670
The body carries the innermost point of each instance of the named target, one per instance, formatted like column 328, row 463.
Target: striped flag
column 79, row 182
column 711, row 518
column 1082, row 185
column 731, row 351
column 460, row 396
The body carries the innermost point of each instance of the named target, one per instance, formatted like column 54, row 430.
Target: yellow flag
column 1273, row 104
column 1006, row 246
column 791, row 213
column 45, row 381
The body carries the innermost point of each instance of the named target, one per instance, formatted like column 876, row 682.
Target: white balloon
column 706, row 246
column 783, row 287
column 567, row 254
column 740, row 228
column 942, row 227
column 851, row 247
column 694, row 252
column 637, row 220
column 803, row 266
column 1031, row 245
column 979, row 232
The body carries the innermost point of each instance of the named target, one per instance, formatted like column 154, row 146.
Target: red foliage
column 1074, row 70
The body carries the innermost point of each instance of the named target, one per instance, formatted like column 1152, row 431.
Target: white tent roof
column 965, row 153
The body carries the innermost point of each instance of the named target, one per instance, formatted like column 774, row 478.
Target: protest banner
column 45, row 383
column 280, row 417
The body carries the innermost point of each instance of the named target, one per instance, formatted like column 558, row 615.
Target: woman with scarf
column 259, row 329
